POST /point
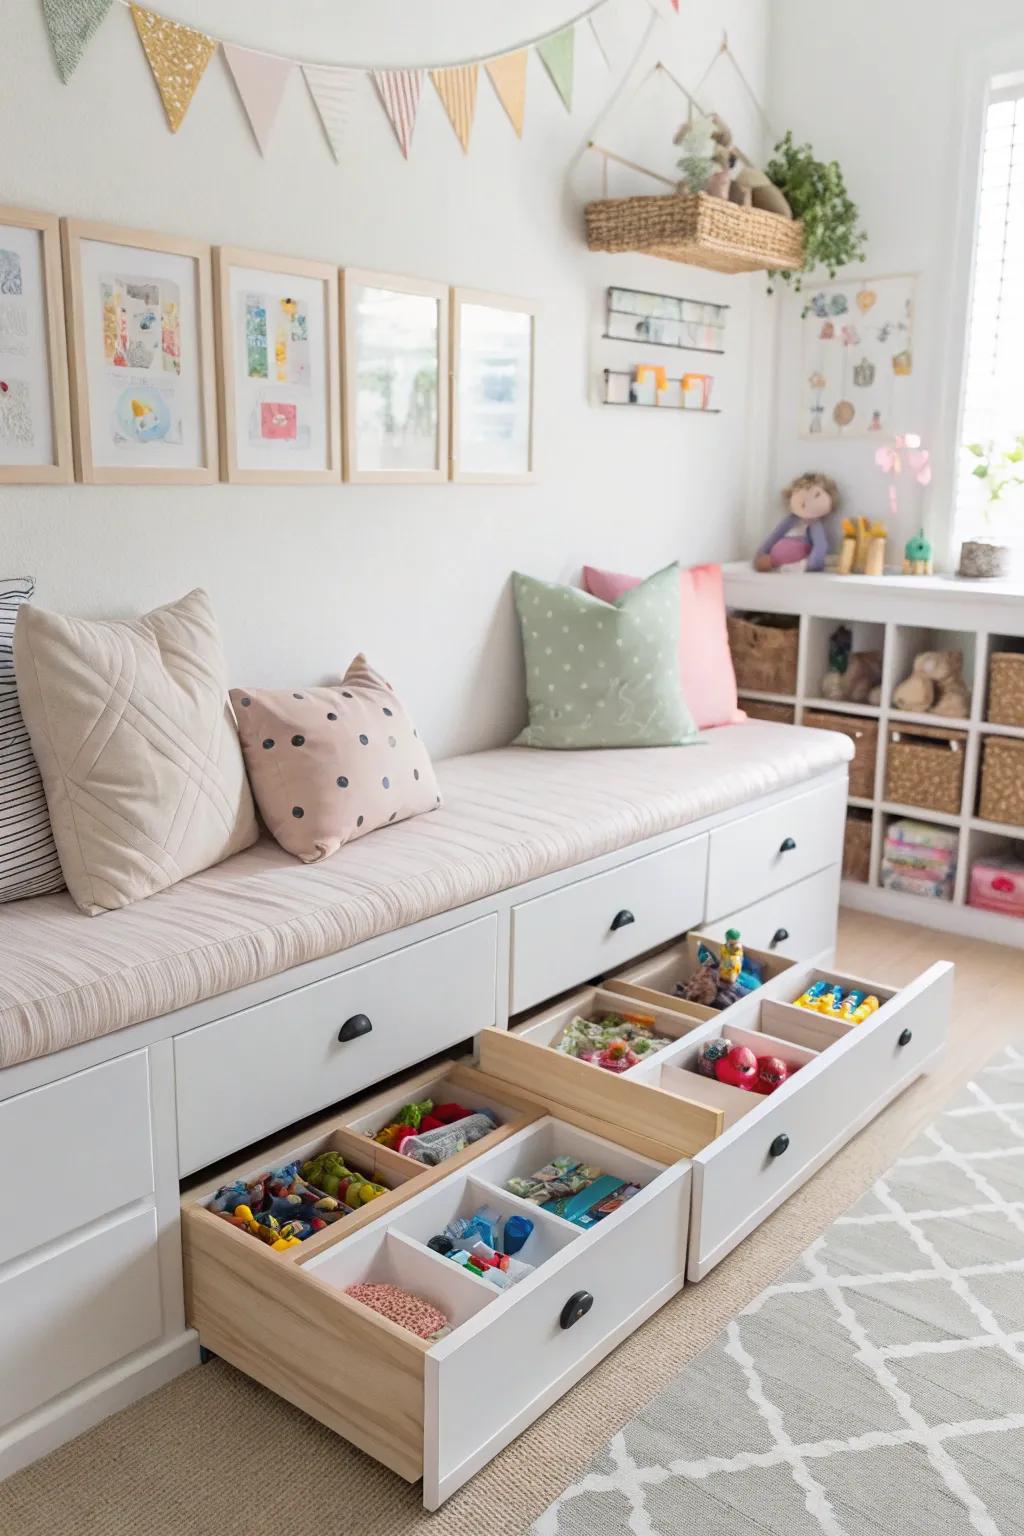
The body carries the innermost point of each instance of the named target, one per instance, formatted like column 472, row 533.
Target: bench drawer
column 259, row 1070
column 799, row 921
column 599, row 924
column 750, row 858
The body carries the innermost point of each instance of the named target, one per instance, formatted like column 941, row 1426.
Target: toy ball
column 738, row 1069
column 771, row 1073
column 712, row 1052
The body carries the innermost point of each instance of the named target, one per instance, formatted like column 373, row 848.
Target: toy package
column 616, row 1041
column 573, row 1190
column 432, row 1133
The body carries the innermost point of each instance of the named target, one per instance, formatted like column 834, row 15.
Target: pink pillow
column 705, row 663
column 327, row 765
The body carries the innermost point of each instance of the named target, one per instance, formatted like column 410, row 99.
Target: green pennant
column 72, row 25
column 556, row 55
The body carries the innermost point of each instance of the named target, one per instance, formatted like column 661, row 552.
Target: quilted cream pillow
column 130, row 725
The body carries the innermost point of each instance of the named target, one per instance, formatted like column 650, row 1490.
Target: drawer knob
column 622, row 919
column 779, row 937
column 578, row 1305
column 352, row 1028
column 906, row 1037
column 787, row 845
column 779, row 1145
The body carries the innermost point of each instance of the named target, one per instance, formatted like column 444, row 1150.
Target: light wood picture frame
column 35, row 413
column 140, row 334
column 493, row 400
column 279, row 368
column 395, row 335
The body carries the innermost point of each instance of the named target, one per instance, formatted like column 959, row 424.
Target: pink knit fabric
column 402, row 1307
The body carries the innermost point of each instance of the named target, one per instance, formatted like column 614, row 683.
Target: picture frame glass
column 280, row 357
column 143, row 357
column 27, row 430
column 495, row 390
column 395, row 380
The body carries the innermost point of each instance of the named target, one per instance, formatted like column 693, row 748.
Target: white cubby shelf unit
column 901, row 615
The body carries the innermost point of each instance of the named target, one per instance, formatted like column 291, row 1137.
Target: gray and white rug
column 878, row 1387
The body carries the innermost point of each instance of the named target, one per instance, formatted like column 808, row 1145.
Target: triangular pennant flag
column 557, row 57
column 457, row 90
column 508, row 76
column 178, row 56
column 260, row 79
column 399, row 91
column 72, row 25
column 333, row 92
column 675, row 5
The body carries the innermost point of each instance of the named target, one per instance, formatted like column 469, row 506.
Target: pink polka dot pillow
column 327, row 765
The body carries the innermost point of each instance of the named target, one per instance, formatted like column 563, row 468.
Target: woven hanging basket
column 696, row 229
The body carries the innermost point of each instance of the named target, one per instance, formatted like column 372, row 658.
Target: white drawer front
column 752, row 857
column 798, row 921
column 571, row 935
column 102, row 1115
column 69, row 1315
column 737, row 1179
column 247, row 1075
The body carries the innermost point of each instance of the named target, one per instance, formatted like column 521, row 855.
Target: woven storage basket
column 925, row 766
column 699, row 230
column 857, row 848
column 864, row 735
column 1002, row 781
column 779, row 714
column 1006, row 688
column 764, row 653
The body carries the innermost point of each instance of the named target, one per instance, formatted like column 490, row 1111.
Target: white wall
column 883, row 88
column 417, row 577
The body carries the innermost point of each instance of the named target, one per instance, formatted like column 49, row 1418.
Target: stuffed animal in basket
column 935, row 686
column 711, row 163
column 807, row 530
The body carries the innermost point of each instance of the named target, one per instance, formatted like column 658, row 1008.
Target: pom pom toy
column 711, row 1053
column 738, row 1069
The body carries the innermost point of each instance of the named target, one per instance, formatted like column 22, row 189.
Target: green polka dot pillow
column 603, row 674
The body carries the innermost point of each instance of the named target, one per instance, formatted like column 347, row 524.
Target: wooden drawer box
column 773, row 848
column 1002, row 780
column 314, row 1044
column 864, row 735
column 924, row 767
column 597, row 925
column 1006, row 688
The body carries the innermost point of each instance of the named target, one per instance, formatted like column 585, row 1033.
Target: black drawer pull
column 622, row 919
column 787, row 845
column 779, row 937
column 906, row 1037
column 352, row 1028
column 578, row 1305
column 779, row 1145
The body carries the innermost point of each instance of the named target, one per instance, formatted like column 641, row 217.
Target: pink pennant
column 399, row 91
column 260, row 80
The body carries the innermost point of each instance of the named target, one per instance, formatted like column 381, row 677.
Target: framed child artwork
column 35, row 427
column 279, row 369
column 493, row 342
column 142, row 361
column 395, row 378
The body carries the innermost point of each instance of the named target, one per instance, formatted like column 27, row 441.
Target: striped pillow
column 28, row 855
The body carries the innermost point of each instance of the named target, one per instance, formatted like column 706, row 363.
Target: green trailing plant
column 998, row 469
column 816, row 192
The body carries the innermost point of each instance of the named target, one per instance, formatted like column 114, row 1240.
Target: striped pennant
column 333, row 92
column 260, row 80
column 508, row 76
column 557, row 55
column 457, row 90
column 399, row 91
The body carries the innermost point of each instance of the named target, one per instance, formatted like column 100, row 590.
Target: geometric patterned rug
column 878, row 1387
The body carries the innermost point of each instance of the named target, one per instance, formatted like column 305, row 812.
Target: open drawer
column 442, row 1407
column 654, row 979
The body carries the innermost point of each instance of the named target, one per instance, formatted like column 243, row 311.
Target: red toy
column 739, row 1068
column 771, row 1074
column 617, row 1056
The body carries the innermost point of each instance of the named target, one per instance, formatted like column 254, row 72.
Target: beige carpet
column 215, row 1455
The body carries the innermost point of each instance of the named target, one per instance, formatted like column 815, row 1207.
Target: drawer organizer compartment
column 404, row 1383
column 659, row 979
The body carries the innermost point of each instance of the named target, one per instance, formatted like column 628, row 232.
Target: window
column 989, row 501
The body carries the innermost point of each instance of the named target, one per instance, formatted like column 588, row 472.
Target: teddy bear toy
column 710, row 163
column 807, row 529
column 935, row 686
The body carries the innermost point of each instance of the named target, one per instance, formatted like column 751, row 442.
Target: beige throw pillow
column 130, row 725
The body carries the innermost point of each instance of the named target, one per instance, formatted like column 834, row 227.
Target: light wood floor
column 215, row 1455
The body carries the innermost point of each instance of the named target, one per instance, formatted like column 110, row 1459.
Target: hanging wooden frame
column 33, row 361
column 469, row 450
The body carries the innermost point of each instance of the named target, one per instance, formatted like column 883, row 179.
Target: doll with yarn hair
column 805, row 533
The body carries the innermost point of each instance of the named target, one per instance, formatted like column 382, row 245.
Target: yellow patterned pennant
column 178, row 56
column 457, row 90
column 508, row 76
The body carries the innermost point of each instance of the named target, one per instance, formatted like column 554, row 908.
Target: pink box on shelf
column 998, row 886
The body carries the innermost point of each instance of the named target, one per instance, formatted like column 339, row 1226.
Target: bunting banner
column 71, row 25
column 508, row 76
column 178, row 56
column 457, row 90
column 399, row 91
column 333, row 92
column 557, row 56
column 260, row 80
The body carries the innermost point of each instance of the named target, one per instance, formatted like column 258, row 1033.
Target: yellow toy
column 863, row 548
column 272, row 1235
column 730, row 959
